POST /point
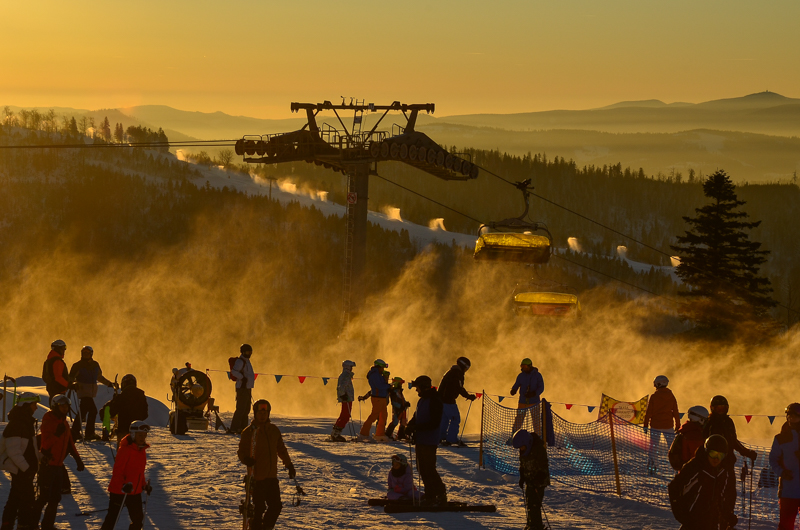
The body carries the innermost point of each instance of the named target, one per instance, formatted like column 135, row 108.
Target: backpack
column 47, row 371
column 231, row 363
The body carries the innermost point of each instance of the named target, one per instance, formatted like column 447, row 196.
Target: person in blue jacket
column 379, row 392
column 424, row 430
column 530, row 385
column 784, row 458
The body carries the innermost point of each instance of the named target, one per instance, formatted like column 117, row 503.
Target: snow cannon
column 191, row 396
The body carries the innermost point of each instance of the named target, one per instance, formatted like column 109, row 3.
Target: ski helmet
column 463, row 363
column 661, row 381
column 262, row 404
column 400, row 458
column 139, row 426
column 128, row 380
column 61, row 399
column 381, row 363
column 719, row 400
column 793, row 408
column 58, row 344
column 698, row 414
column 522, row 438
column 526, row 361
column 716, row 442
column 87, row 349
column 422, row 382
column 385, row 373
column 244, row 348
column 348, row 364
column 397, row 381
column 28, row 397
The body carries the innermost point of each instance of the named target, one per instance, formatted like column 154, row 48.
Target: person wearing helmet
column 54, row 370
column 21, row 447
column 720, row 423
column 242, row 372
column 399, row 407
column 452, row 386
column 345, row 394
column 56, row 444
column 530, row 385
column 703, row 494
column 85, row 374
column 378, row 393
column 784, row 458
column 128, row 406
column 127, row 478
column 661, row 416
column 534, row 474
column 259, row 448
column 689, row 437
column 425, row 429
column 401, row 480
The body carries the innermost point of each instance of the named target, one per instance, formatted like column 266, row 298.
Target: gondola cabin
column 521, row 247
column 547, row 304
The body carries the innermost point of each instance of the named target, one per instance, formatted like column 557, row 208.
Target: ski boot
column 401, row 433
column 382, row 438
column 336, row 435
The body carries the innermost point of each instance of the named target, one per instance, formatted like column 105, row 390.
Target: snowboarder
column 345, row 394
column 450, row 388
column 534, row 474
column 56, row 443
column 689, row 437
column 54, row 370
column 784, row 458
column 259, row 448
column 703, row 494
column 85, row 375
column 425, row 428
column 127, row 478
column 242, row 372
column 21, row 447
column 720, row 423
column 128, row 406
column 530, row 384
column 399, row 407
column 660, row 416
column 401, row 480
column 379, row 390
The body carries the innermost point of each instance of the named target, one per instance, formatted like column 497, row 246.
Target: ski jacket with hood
column 723, row 425
column 344, row 389
column 128, row 406
column 702, row 496
column 452, row 385
column 662, row 410
column 401, row 486
column 86, row 373
column 129, row 467
column 530, row 382
column 377, row 384
column 57, row 439
column 269, row 446
column 20, row 450
column 427, row 419
column 54, row 373
column 243, row 372
column 397, row 399
column 685, row 444
column 783, row 456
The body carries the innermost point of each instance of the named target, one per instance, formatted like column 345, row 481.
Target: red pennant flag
column 478, row 395
column 301, row 378
column 748, row 418
column 569, row 405
column 255, row 376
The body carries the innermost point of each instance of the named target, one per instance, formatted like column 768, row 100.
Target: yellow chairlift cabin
column 545, row 298
column 514, row 239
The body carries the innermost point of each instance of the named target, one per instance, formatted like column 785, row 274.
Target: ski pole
column 350, row 423
column 90, row 512
column 125, row 496
column 411, row 463
column 750, row 514
column 546, row 522
column 298, row 492
column 461, row 437
column 144, row 514
column 743, row 478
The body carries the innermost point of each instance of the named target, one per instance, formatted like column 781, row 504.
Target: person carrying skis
column 450, row 388
column 19, row 440
column 401, row 481
column 689, row 437
column 54, row 370
column 259, row 448
column 399, row 407
column 345, row 394
column 720, row 423
column 56, row 443
column 242, row 372
column 660, row 416
column 784, row 458
column 127, row 478
column 85, row 375
column 379, row 390
column 425, row 428
column 534, row 474
column 703, row 494
column 530, row 384
column 128, row 406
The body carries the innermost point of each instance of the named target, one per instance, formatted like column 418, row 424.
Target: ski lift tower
column 356, row 153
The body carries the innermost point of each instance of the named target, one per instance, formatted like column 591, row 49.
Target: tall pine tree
column 720, row 265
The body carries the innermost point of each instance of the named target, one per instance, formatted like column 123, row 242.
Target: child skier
column 689, row 438
column 534, row 474
column 399, row 407
column 401, row 481
column 345, row 394
column 127, row 478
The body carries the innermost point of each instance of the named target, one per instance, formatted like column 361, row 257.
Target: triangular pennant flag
column 590, row 408
column 278, row 378
column 500, row 399
column 325, row 380
column 569, row 405
column 680, row 415
column 771, row 419
column 748, row 418
column 410, row 385
column 255, row 376
column 302, row 378
column 229, row 375
column 478, row 395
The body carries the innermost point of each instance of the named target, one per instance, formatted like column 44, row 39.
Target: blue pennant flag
column 590, row 408
column 278, row 378
column 771, row 419
column 325, row 380
column 500, row 399
column 680, row 415
column 410, row 385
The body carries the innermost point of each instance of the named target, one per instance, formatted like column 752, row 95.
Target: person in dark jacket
column 720, row 423
column 85, row 374
column 19, row 438
column 242, row 372
column 128, row 406
column 703, row 494
column 784, row 458
column 689, row 437
column 424, row 427
column 127, row 478
column 534, row 474
column 54, row 370
column 530, row 385
column 399, row 407
column 450, row 388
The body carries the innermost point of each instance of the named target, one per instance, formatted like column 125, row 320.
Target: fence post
column 614, row 452
column 543, row 416
column 480, row 450
column 5, row 398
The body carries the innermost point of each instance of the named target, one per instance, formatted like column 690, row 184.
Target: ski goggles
column 262, row 406
column 719, row 455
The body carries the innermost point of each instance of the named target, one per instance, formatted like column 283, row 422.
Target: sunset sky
column 254, row 57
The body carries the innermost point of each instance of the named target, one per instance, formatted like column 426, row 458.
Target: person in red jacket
column 56, row 443
column 127, row 479
column 689, row 437
column 54, row 370
column 661, row 414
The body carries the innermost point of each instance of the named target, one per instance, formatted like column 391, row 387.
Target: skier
column 19, row 440
column 54, row 370
column 425, row 428
column 127, row 478
column 401, row 481
column 56, row 443
column 85, row 375
column 534, row 474
column 242, row 372
column 720, row 423
column 661, row 414
column 128, row 406
column 703, row 494
column 399, row 407
column 379, row 390
column 345, row 394
column 689, row 437
column 450, row 388
column 530, row 384
column 784, row 458
column 259, row 448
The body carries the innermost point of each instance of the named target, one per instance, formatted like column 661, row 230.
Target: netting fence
column 612, row 458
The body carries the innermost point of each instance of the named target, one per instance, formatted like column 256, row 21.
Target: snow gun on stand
column 191, row 395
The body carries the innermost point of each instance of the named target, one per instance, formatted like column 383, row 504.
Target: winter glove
column 60, row 429
column 148, row 488
column 787, row 474
column 410, row 430
column 80, row 466
column 752, row 455
column 249, row 461
column 362, row 398
column 407, row 405
column 47, row 454
column 645, row 429
column 292, row 472
column 128, row 487
column 472, row 397
column 513, row 392
column 73, row 386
